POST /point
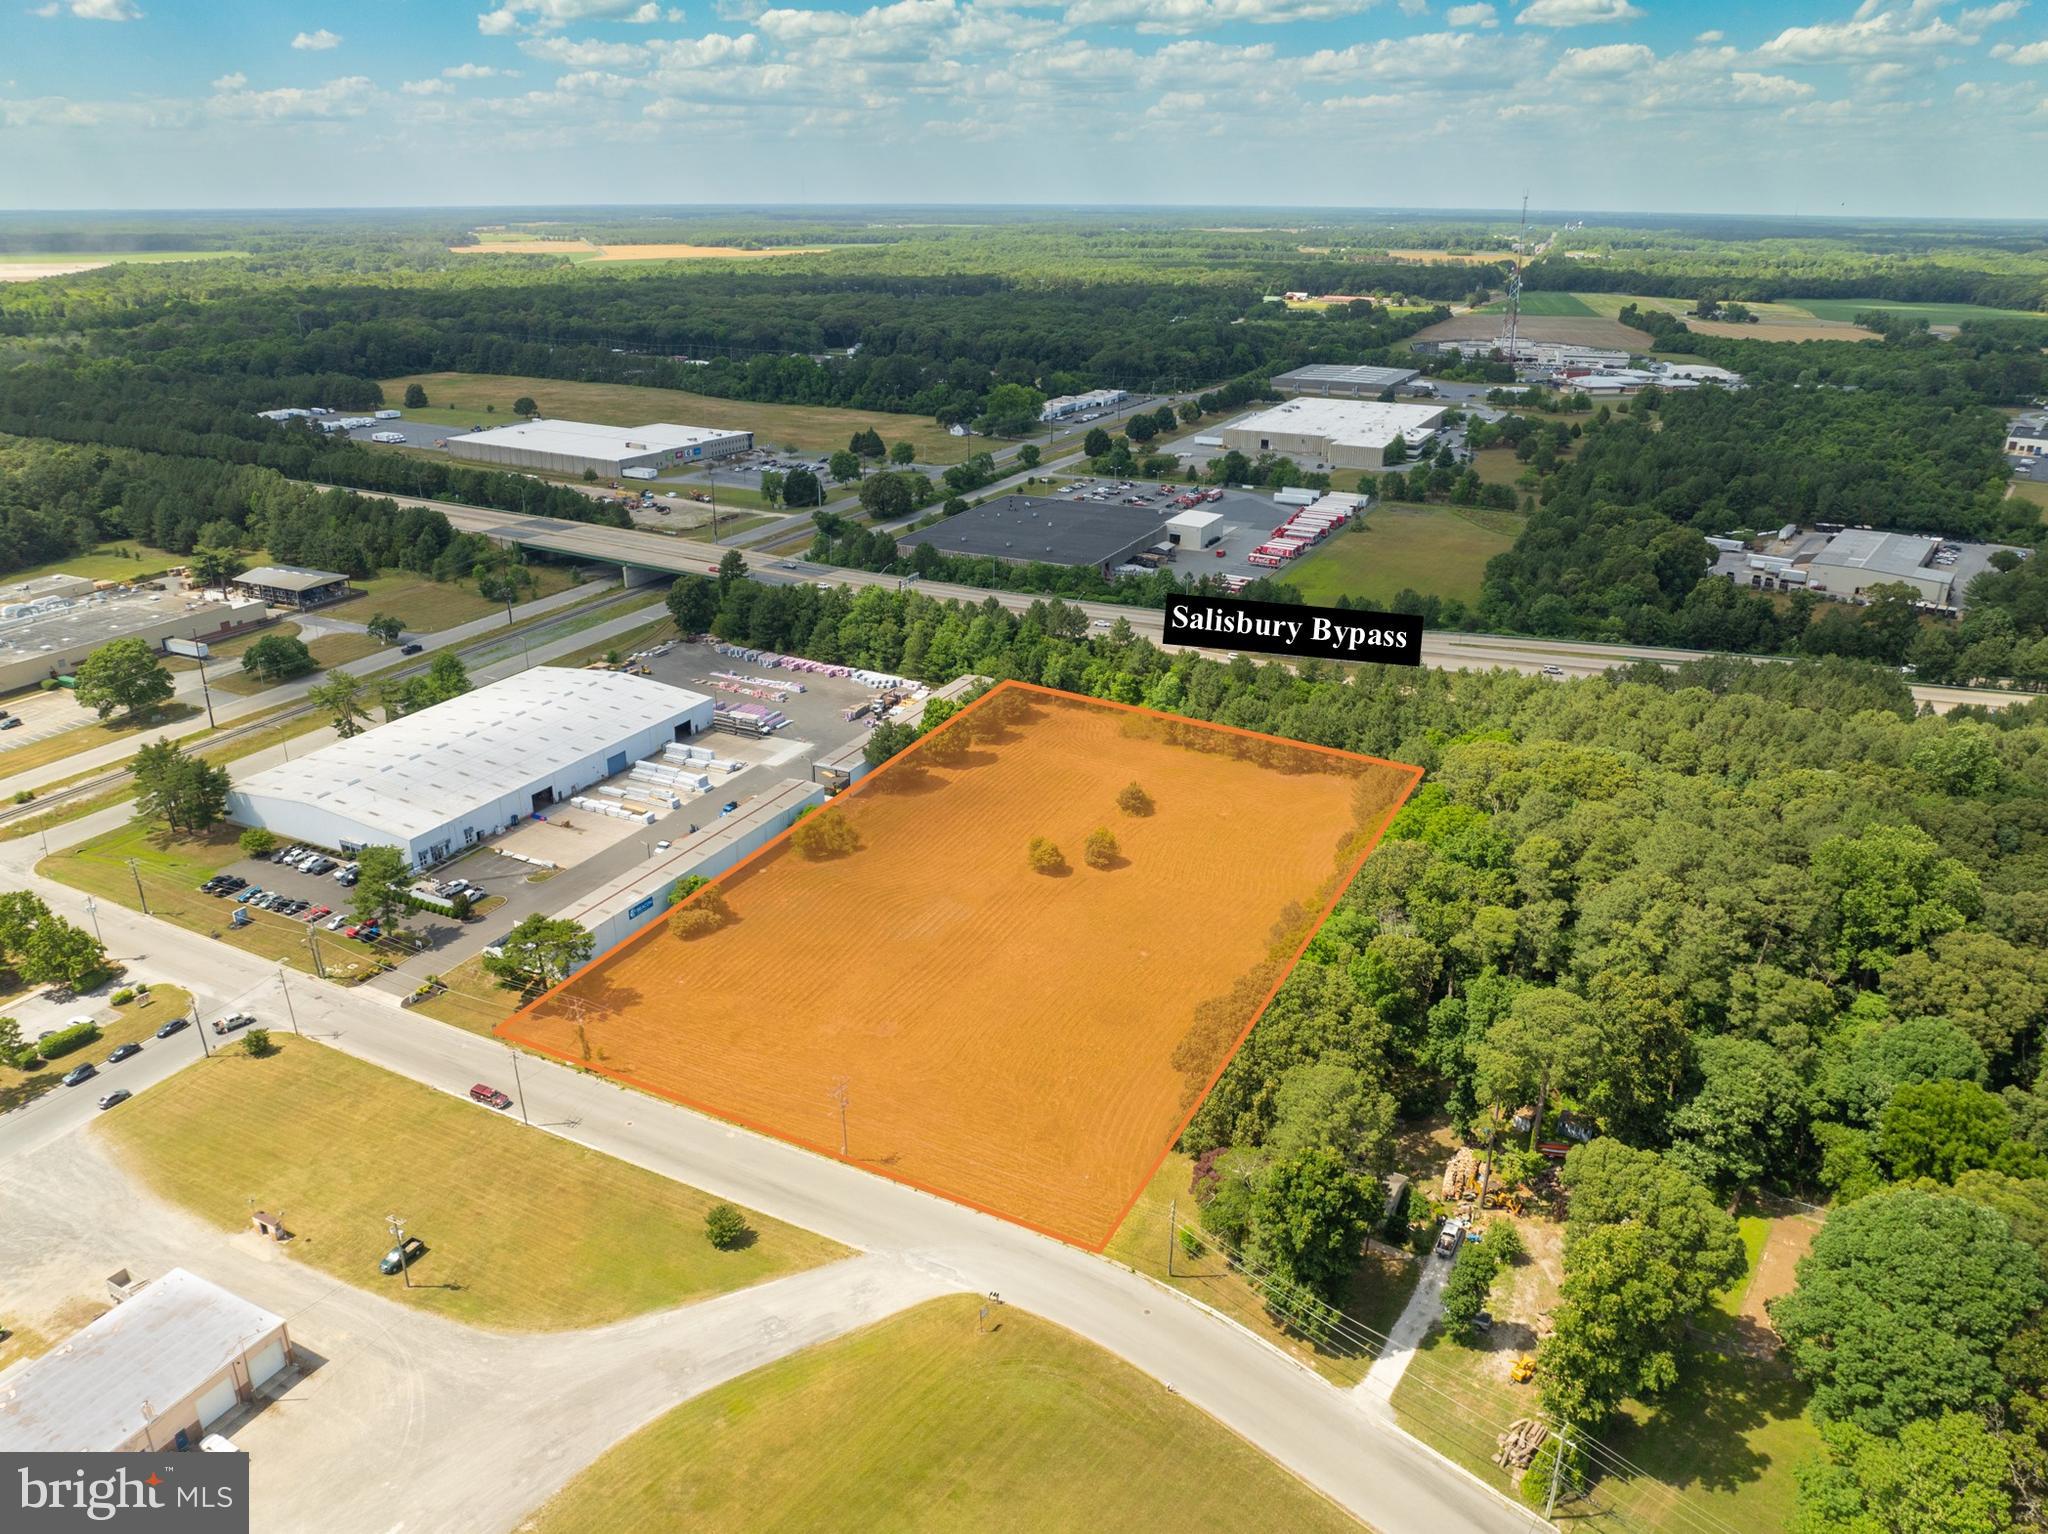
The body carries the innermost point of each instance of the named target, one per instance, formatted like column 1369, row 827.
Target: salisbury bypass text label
column 1322, row 633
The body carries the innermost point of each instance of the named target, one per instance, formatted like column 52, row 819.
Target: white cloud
column 553, row 15
column 92, row 10
column 1447, row 58
column 1763, row 90
column 1869, row 34
column 476, row 72
column 1605, row 62
column 590, row 54
column 426, row 88
column 2026, row 53
column 1575, row 13
column 349, row 96
column 1713, row 36
column 1182, row 16
column 1479, row 15
column 497, row 23
column 1884, row 76
column 1414, row 7
column 233, row 82
column 316, row 42
column 1991, row 15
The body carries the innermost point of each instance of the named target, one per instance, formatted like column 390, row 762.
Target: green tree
column 1903, row 1305
column 13, row 1047
column 1745, row 1119
column 885, row 740
column 257, row 842
column 343, row 696
column 415, row 397
column 724, row 1227
column 1100, row 849
column 1548, row 1039
column 1994, row 991
column 1329, row 1104
column 383, row 628
column 843, row 466
column 1011, row 409
column 123, row 674
column 693, row 602
column 1470, row 1281
column 1891, row 890
column 256, row 1043
column 1044, row 856
column 1133, row 800
column 825, row 835
column 187, row 793
column 1941, row 1475
column 505, row 582
column 903, row 453
column 214, row 567
column 539, row 951
column 1941, row 1129
column 886, row 496
column 384, row 876
column 57, row 953
column 772, row 483
column 1028, row 455
column 1096, row 443
column 802, row 489
column 731, row 569
column 1309, row 1219
column 1141, row 428
column 1646, row 1248
column 276, row 658
column 446, row 677
column 524, row 405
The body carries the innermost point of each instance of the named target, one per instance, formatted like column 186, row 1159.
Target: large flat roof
column 1039, row 528
column 419, row 772
column 95, row 1391
column 1871, row 553
column 595, row 441
column 1361, row 376
column 1368, row 423
column 287, row 577
column 93, row 621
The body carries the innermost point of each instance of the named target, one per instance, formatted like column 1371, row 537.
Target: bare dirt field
column 526, row 248
column 1573, row 331
column 30, row 271
column 699, row 252
column 930, row 1007
column 1790, row 1238
column 1453, row 257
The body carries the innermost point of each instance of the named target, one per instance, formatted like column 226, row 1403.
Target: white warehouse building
column 450, row 776
column 574, row 447
column 1322, row 434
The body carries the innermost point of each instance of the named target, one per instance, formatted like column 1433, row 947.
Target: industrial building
column 450, row 776
column 48, row 635
column 154, row 1373
column 291, row 586
column 1334, row 380
column 1031, row 529
column 1066, row 406
column 1194, row 529
column 1847, row 563
column 615, row 911
column 2027, row 437
column 1322, row 434
column 1528, row 353
column 578, row 447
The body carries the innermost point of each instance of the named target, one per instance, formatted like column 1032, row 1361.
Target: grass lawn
column 1846, row 310
column 524, row 1231
column 458, row 399
column 1552, row 305
column 473, row 1000
column 923, row 1422
column 625, row 644
column 130, row 1023
column 1499, row 466
column 89, row 735
column 124, row 559
column 2025, row 489
column 425, row 606
column 328, row 650
column 1378, row 1290
column 1436, row 550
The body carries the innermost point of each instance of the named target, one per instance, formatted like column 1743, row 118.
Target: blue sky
column 1893, row 107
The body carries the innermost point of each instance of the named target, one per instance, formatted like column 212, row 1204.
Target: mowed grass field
column 925, row 1423
column 1555, row 305
column 810, row 428
column 1774, row 322
column 524, row 1231
column 1439, row 551
column 1846, row 310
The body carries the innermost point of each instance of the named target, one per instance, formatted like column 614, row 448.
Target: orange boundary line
column 1343, row 883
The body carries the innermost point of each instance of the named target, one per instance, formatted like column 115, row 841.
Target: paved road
column 1316, row 1430
column 1442, row 649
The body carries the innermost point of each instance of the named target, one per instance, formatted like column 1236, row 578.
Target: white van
column 387, row 436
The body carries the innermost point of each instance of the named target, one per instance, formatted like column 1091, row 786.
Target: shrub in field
column 1100, row 850
column 256, row 841
column 256, row 1042
column 65, row 1040
column 1045, row 858
column 1133, row 800
column 724, row 1226
column 123, row 997
column 824, row 835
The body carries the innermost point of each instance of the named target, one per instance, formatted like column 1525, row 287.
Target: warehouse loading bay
column 590, row 849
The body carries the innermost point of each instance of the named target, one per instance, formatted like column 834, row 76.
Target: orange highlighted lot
column 1021, row 1031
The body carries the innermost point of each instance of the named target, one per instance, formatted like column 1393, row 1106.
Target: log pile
column 1518, row 1445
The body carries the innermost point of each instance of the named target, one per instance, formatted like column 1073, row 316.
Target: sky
column 1888, row 108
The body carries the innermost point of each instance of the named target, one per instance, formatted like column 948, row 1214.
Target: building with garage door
column 437, row 782
column 155, row 1372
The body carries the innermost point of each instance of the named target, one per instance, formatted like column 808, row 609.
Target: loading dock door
column 217, row 1400
column 268, row 1360
column 542, row 799
column 615, row 764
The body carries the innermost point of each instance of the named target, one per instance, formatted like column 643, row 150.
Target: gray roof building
column 1338, row 380
column 1031, row 529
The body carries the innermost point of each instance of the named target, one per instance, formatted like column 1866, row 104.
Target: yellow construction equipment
column 1524, row 1369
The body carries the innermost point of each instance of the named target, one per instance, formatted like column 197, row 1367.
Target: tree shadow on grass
column 1695, row 1436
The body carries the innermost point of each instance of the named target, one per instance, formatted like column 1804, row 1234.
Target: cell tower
column 1515, row 289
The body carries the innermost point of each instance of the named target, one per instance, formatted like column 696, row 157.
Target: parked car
column 123, row 1052
column 489, row 1096
column 319, row 911
column 337, row 922
column 410, row 649
column 404, row 1255
column 11, row 722
column 173, row 1026
column 115, row 1098
column 79, row 1074
column 232, row 1021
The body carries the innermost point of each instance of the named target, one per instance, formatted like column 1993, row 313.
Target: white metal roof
column 1194, row 519
column 595, row 441
column 420, row 772
column 287, row 577
column 1367, row 423
column 1869, row 552
column 1362, row 376
column 102, row 1387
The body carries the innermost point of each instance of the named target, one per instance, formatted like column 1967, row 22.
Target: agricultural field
column 1551, row 305
column 1439, row 551
column 29, row 266
column 1775, row 322
column 515, row 243
column 923, row 1007
column 1590, row 329
column 524, row 1231
column 1846, row 310
column 934, row 1421
column 457, row 399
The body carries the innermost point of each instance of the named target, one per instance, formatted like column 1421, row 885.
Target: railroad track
column 114, row 776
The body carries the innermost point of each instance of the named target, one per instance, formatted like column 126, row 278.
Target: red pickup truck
column 490, row 1097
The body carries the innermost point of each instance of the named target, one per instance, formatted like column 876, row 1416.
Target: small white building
column 450, row 776
column 1194, row 529
column 2026, row 439
column 155, row 1372
column 1065, row 406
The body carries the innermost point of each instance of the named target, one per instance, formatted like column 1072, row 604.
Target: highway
column 1443, row 649
column 1325, row 1435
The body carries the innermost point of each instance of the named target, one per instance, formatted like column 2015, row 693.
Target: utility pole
column 206, row 693
column 205, row 1049
column 396, row 1225
column 839, row 1096
column 290, row 1011
column 313, row 948
column 518, row 1088
column 140, row 893
column 1556, row 1473
column 1172, row 1231
column 93, row 911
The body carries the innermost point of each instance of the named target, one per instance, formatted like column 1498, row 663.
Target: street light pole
column 93, row 911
